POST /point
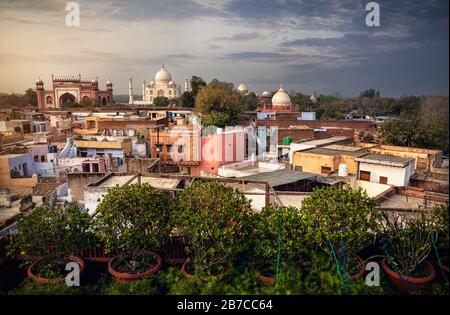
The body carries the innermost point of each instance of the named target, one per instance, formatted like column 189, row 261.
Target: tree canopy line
column 415, row 121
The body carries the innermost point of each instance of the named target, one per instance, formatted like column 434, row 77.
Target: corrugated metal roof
column 279, row 177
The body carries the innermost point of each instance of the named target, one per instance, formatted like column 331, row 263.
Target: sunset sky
column 307, row 45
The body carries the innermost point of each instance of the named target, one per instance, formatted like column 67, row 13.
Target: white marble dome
column 266, row 94
column 313, row 99
column 281, row 98
column 163, row 76
column 242, row 88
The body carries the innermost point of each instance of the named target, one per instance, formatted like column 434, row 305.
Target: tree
column 249, row 102
column 343, row 220
column 196, row 84
column 216, row 119
column 161, row 101
column 133, row 218
column 216, row 221
column 220, row 97
column 30, row 97
column 370, row 93
column 187, row 99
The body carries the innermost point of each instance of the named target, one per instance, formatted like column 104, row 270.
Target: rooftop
column 326, row 141
column 389, row 160
column 324, row 151
column 280, row 177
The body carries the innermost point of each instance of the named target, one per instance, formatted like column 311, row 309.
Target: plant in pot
column 47, row 238
column 215, row 222
column 278, row 227
column 132, row 222
column 342, row 223
column 441, row 225
column 407, row 245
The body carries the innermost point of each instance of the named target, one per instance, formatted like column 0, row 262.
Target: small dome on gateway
column 281, row 98
column 108, row 82
column 242, row 88
column 313, row 99
column 266, row 94
column 94, row 80
column 39, row 81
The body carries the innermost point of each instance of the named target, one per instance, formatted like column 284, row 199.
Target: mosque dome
column 266, row 94
column 242, row 88
column 313, row 99
column 281, row 98
column 39, row 81
column 108, row 82
column 163, row 76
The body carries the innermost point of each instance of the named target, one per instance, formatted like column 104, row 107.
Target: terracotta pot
column 188, row 276
column 405, row 284
column 361, row 271
column 266, row 280
column 121, row 277
column 38, row 279
column 443, row 263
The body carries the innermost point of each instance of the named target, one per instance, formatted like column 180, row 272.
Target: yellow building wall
column 313, row 163
column 351, row 163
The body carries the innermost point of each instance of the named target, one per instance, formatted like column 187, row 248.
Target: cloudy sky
column 307, row 45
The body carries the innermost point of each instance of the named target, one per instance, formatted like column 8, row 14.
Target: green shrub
column 132, row 219
column 56, row 230
column 408, row 244
column 293, row 244
column 348, row 219
column 215, row 221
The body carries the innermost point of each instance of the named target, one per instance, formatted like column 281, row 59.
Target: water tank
column 343, row 170
column 287, row 140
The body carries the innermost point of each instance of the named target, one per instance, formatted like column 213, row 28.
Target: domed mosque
column 161, row 86
column 280, row 102
column 242, row 89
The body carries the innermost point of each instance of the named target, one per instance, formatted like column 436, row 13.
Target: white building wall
column 397, row 176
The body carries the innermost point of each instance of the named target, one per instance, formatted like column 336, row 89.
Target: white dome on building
column 163, row 76
column 313, row 99
column 266, row 94
column 242, row 88
column 39, row 81
column 281, row 98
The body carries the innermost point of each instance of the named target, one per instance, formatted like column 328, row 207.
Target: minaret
column 130, row 90
column 143, row 90
column 186, row 84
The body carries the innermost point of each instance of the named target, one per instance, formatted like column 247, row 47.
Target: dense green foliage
column 133, row 218
column 293, row 242
column 161, row 101
column 346, row 220
column 215, row 221
column 58, row 230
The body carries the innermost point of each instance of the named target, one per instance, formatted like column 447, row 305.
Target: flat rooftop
column 326, row 141
column 115, row 180
column 280, row 177
column 405, row 203
column 389, row 160
column 324, row 151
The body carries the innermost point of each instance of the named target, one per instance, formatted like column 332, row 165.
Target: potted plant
column 47, row 238
column 215, row 222
column 407, row 246
column 441, row 221
column 278, row 227
column 342, row 223
column 132, row 222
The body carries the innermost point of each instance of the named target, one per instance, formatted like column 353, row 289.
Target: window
column 43, row 158
column 168, row 148
column 299, row 168
column 180, row 149
column 383, row 180
column 326, row 170
column 363, row 175
column 36, row 158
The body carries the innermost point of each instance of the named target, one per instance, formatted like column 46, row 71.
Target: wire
column 280, row 222
column 433, row 241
